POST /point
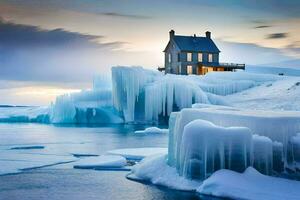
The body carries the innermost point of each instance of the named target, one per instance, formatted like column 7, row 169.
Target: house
column 194, row 55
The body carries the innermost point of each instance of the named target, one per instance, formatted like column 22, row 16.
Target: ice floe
column 138, row 153
column 100, row 162
column 153, row 130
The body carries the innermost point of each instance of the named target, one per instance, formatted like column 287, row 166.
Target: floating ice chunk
column 104, row 161
column 155, row 170
column 249, row 185
column 27, row 147
column 153, row 130
column 138, row 153
column 206, row 148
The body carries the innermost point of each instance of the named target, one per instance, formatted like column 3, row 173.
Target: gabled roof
column 193, row 43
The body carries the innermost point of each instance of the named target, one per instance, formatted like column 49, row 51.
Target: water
column 64, row 182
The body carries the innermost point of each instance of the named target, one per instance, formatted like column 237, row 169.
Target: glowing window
column 169, row 58
column 200, row 57
column 210, row 57
column 189, row 57
column 189, row 69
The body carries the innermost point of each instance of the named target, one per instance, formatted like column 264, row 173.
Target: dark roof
column 198, row 44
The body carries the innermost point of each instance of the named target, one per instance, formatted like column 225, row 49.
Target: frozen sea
column 47, row 171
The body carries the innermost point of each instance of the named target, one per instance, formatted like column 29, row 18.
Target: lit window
column 189, row 69
column 169, row 58
column 200, row 57
column 189, row 57
column 210, row 57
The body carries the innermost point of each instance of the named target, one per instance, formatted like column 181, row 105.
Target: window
column 179, row 69
column 169, row 58
column 200, row 57
column 189, row 69
column 210, row 57
column 178, row 57
column 189, row 57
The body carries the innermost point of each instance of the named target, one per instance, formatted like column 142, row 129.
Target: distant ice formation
column 86, row 107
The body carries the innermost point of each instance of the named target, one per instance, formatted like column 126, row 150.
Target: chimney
column 172, row 33
column 208, row 34
column 194, row 35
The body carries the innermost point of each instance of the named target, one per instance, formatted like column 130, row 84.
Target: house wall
column 182, row 63
column 172, row 67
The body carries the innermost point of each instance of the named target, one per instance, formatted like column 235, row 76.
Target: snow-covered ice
column 138, row 153
column 278, row 95
column 155, row 170
column 249, row 185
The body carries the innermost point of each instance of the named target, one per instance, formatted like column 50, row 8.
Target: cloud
column 29, row 53
column 263, row 26
column 294, row 48
column 121, row 15
column 18, row 35
column 277, row 36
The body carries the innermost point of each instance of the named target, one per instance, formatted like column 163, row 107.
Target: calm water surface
column 64, row 182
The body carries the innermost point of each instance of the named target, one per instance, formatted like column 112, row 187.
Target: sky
column 51, row 47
